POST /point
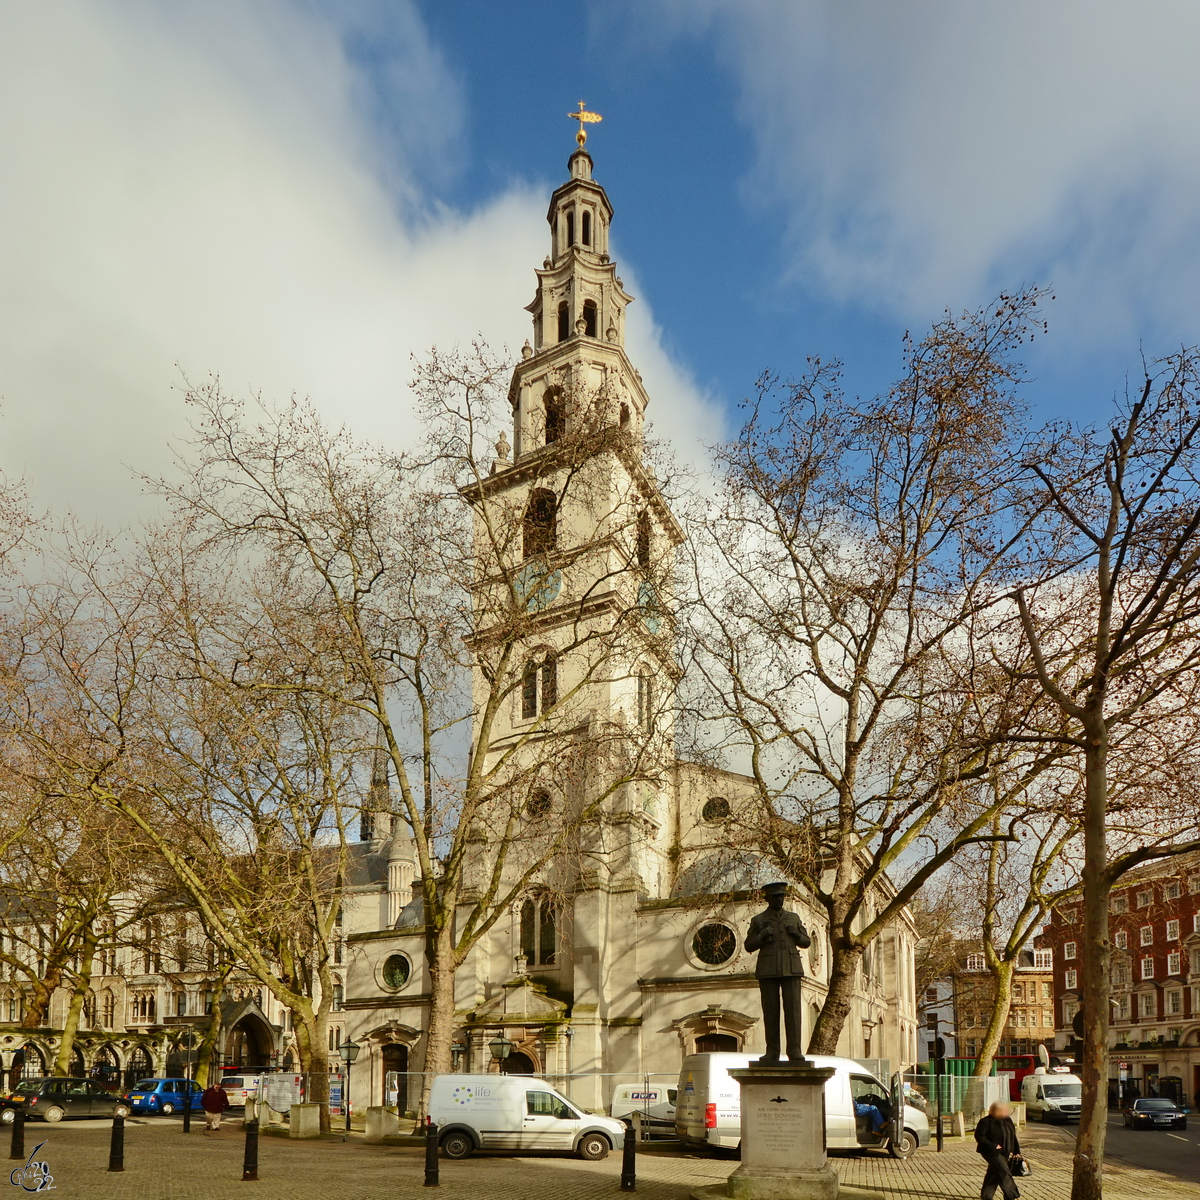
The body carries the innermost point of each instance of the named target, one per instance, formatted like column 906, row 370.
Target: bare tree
column 841, row 581
column 1112, row 631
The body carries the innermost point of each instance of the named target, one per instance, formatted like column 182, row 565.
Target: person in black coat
column 996, row 1140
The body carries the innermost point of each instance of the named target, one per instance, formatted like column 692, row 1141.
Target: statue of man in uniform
column 779, row 935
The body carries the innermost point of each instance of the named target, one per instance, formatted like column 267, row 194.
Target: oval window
column 716, row 809
column 714, row 944
column 396, row 971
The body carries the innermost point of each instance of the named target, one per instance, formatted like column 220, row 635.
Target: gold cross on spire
column 584, row 118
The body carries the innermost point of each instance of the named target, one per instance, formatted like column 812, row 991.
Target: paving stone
column 162, row 1164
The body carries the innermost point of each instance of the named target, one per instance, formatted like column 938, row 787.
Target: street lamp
column 501, row 1048
column 349, row 1052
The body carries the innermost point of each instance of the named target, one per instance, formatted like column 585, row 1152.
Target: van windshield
column 1060, row 1091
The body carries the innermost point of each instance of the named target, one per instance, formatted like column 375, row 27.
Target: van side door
column 549, row 1124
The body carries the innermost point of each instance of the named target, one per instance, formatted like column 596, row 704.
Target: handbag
column 1018, row 1166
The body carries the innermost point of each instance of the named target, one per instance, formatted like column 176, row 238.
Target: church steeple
column 578, row 310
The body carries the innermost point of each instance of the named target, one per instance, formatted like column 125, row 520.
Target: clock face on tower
column 537, row 585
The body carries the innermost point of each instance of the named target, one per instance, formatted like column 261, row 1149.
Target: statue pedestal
column 783, row 1136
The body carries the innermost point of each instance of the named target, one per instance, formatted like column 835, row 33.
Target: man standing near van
column 779, row 935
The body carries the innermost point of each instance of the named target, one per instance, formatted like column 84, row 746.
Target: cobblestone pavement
column 162, row 1164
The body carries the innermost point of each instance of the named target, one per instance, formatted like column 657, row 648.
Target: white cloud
column 929, row 152
column 197, row 185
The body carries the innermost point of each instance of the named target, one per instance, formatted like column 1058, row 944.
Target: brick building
column 1154, row 923
column 1030, row 1015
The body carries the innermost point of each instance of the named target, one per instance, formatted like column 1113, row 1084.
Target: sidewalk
column 162, row 1164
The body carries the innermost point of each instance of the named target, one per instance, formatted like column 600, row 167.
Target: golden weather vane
column 584, row 118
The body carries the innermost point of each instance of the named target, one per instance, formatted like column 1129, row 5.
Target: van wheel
column 903, row 1147
column 457, row 1145
column 593, row 1147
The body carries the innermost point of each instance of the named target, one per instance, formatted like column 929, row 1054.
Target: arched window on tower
column 587, row 228
column 564, row 321
column 645, row 699
column 539, row 931
column 555, row 417
column 643, row 539
column 570, row 229
column 539, row 686
column 589, row 318
column 539, row 533
column 624, row 416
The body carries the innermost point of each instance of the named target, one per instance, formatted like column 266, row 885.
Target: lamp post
column 349, row 1052
column 501, row 1048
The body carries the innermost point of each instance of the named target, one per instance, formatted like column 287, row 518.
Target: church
column 616, row 969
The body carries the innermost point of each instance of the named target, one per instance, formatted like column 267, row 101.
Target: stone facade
column 639, row 960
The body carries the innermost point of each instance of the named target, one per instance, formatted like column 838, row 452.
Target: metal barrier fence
column 964, row 1094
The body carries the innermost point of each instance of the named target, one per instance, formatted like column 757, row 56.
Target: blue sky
column 299, row 194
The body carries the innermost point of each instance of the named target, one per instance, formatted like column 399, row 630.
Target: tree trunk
column 37, row 1014
column 440, row 1035
column 212, row 1032
column 314, row 1061
column 1001, row 1004
column 83, row 983
column 1087, row 1181
column 843, row 972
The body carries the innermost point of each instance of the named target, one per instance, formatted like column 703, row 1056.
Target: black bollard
column 187, row 1112
column 629, row 1160
column 431, row 1155
column 250, row 1162
column 18, row 1136
column 116, row 1148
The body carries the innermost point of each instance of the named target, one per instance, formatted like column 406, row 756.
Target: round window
column 539, row 804
column 714, row 944
column 716, row 809
column 396, row 971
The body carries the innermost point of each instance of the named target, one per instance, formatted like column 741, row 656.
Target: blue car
column 163, row 1096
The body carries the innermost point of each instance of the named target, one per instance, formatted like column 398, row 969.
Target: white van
column 709, row 1107
column 655, row 1102
column 515, row 1112
column 1051, row 1097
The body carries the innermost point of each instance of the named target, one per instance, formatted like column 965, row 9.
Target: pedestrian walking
column 996, row 1141
column 214, row 1102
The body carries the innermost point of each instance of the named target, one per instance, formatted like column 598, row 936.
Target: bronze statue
column 779, row 935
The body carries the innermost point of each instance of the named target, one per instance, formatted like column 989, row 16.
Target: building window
column 1120, row 974
column 1149, row 1007
column 1174, row 1003
column 972, row 1048
column 589, row 318
column 397, row 970
column 645, row 699
column 1146, row 935
column 714, row 944
column 1019, row 988
column 931, row 995
column 717, row 809
column 1020, row 1018
column 1070, row 979
column 643, row 539
column 1120, row 904
column 1047, row 1019
column 1175, row 963
column 1194, row 883
column 570, row 228
column 1171, row 891
column 1047, row 990
column 564, row 321
column 1147, row 968
column 1121, row 939
column 1069, row 915
column 539, row 931
column 1172, row 931
column 1123, row 1008
column 587, row 228
column 534, row 698
column 339, row 997
column 539, row 529
column 1144, row 899
column 976, row 962
column 1043, row 960
column 1068, row 949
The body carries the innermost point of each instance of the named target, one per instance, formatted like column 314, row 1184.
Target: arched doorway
column 106, row 1067
column 28, row 1063
column 75, row 1066
column 247, row 1045
column 140, row 1066
column 517, row 1063
column 395, row 1077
